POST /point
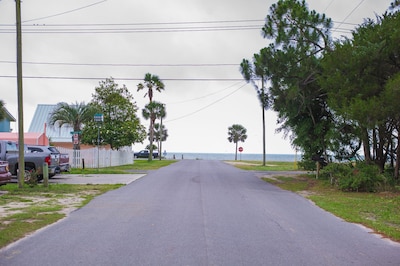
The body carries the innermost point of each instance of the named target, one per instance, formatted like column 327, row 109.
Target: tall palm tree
column 253, row 72
column 152, row 111
column 151, row 82
column 237, row 133
column 74, row 115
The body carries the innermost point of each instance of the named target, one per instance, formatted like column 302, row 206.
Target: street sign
column 76, row 138
column 98, row 118
column 240, row 149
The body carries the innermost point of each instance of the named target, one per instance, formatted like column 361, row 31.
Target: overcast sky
column 194, row 46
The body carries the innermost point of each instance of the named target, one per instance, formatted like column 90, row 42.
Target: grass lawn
column 269, row 166
column 377, row 211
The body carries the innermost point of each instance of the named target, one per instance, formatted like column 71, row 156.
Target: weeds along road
column 197, row 212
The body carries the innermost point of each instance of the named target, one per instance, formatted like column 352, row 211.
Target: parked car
column 145, row 154
column 60, row 160
column 5, row 175
column 33, row 161
column 64, row 162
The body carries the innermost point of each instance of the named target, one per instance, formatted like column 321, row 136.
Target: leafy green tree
column 300, row 38
column 121, row 126
column 361, row 75
column 152, row 111
column 2, row 111
column 390, row 97
column 237, row 133
column 253, row 72
column 151, row 83
column 74, row 115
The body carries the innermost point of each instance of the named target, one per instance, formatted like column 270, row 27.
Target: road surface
column 197, row 212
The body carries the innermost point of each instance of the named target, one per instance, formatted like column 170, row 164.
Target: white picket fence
column 94, row 158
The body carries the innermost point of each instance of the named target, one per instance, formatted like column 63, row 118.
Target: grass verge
column 377, row 211
column 269, row 166
column 25, row 210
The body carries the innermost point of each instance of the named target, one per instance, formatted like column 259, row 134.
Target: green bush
column 336, row 171
column 358, row 177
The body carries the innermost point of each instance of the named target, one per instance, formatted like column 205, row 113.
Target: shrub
column 360, row 177
column 336, row 172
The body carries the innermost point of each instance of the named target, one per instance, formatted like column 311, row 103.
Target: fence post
column 45, row 173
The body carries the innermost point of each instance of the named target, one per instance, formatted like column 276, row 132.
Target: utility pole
column 21, row 149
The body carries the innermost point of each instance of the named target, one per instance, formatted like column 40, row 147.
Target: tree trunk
column 318, row 169
column 151, row 139
column 236, row 151
column 396, row 168
column 263, row 118
column 366, row 146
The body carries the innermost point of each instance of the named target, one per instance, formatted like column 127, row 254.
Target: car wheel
column 28, row 174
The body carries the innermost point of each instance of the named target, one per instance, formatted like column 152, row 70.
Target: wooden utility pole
column 21, row 161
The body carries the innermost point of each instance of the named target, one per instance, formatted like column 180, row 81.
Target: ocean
column 231, row 156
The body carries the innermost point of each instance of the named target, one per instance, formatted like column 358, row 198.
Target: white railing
column 93, row 158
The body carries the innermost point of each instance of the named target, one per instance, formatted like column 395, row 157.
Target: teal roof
column 9, row 116
column 54, row 133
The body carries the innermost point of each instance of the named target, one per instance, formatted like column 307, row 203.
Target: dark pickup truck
column 33, row 161
column 145, row 154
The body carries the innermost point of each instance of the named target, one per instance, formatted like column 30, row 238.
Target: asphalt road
column 198, row 212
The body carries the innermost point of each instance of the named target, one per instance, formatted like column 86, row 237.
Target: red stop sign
column 240, row 149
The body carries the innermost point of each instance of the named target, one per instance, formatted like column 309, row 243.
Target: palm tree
column 160, row 135
column 74, row 115
column 152, row 111
column 151, row 82
column 253, row 72
column 237, row 133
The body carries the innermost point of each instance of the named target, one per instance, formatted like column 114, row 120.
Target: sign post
column 240, row 150
column 98, row 118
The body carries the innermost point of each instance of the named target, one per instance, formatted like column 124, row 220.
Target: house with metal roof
column 59, row 136
column 5, row 124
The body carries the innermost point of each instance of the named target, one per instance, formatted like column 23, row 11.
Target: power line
column 135, row 30
column 120, row 64
column 208, row 95
column 66, row 12
column 207, row 106
column 130, row 79
column 148, row 23
column 351, row 12
column 188, row 26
